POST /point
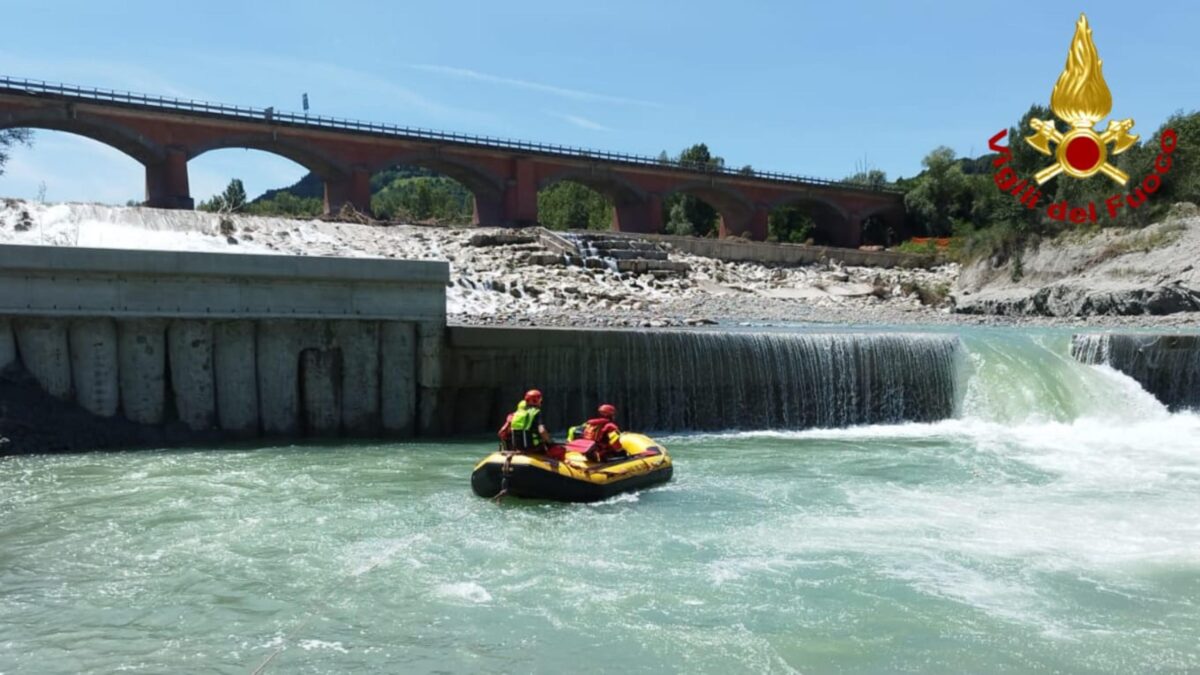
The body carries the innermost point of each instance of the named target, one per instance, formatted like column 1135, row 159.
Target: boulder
column 500, row 239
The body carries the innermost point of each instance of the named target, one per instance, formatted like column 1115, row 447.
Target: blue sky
column 819, row 89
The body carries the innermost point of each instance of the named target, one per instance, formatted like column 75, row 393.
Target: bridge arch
column 831, row 223
column 486, row 187
column 627, row 203
column 287, row 185
column 884, row 225
column 303, row 154
column 345, row 185
column 734, row 210
column 109, row 133
column 618, row 190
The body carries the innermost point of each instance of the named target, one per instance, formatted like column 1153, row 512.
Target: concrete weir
column 142, row 369
column 243, row 345
column 235, row 369
column 42, row 346
column 698, row 380
column 8, row 344
column 398, row 382
column 93, row 346
column 1167, row 366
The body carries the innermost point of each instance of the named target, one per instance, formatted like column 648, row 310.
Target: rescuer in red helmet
column 524, row 430
column 602, row 430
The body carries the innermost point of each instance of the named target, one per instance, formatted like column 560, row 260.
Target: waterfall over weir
column 683, row 380
column 1167, row 366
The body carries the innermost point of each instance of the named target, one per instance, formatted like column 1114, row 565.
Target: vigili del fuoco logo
column 1081, row 99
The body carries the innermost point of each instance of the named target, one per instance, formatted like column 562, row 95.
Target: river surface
column 1053, row 526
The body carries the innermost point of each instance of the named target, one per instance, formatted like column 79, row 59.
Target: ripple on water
column 965, row 545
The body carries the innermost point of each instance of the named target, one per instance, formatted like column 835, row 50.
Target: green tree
column 678, row 222
column 1181, row 183
column 568, row 205
column 9, row 138
column 698, row 156
column 694, row 216
column 790, row 224
column 873, row 178
column 940, row 195
column 287, row 205
column 423, row 197
column 232, row 200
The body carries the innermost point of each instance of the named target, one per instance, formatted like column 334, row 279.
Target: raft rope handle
column 505, row 472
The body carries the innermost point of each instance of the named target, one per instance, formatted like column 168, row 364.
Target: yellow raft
column 573, row 478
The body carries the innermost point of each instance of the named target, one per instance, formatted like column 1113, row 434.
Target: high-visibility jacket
column 524, row 425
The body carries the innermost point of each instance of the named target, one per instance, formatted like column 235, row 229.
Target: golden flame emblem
column 1081, row 99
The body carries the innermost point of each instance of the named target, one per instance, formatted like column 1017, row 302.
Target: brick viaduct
column 504, row 176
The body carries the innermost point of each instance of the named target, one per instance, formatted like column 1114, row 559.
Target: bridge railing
column 272, row 116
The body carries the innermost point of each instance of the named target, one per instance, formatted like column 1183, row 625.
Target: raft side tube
column 537, row 476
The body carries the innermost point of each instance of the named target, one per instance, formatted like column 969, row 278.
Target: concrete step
column 599, row 251
column 634, row 255
column 620, row 245
column 644, row 266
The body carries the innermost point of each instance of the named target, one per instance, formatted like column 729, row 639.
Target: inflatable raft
column 573, row 478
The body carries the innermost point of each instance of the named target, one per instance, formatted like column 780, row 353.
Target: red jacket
column 505, row 432
column 605, row 433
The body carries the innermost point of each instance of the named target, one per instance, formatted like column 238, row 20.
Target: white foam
column 309, row 645
column 466, row 590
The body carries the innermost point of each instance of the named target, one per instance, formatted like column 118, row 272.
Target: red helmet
column 607, row 410
column 533, row 397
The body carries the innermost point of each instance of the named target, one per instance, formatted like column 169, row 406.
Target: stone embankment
column 1111, row 272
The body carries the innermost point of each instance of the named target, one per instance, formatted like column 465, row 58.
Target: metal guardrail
column 272, row 116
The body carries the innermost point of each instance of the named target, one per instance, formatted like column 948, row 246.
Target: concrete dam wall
column 1167, row 366
column 693, row 380
column 247, row 345
column 242, row 346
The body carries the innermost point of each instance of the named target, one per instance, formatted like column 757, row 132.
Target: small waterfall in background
column 710, row 381
column 1017, row 377
column 1167, row 366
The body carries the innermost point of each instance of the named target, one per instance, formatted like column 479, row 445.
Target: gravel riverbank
column 498, row 283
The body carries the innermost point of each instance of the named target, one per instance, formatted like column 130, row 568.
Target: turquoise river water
column 1053, row 526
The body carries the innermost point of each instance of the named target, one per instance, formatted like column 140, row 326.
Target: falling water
column 676, row 380
column 1167, row 366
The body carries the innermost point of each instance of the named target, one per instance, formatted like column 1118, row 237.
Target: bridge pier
column 520, row 194
column 837, row 230
column 167, row 182
column 353, row 190
column 894, row 223
column 740, row 223
column 641, row 217
column 489, row 210
column 757, row 228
